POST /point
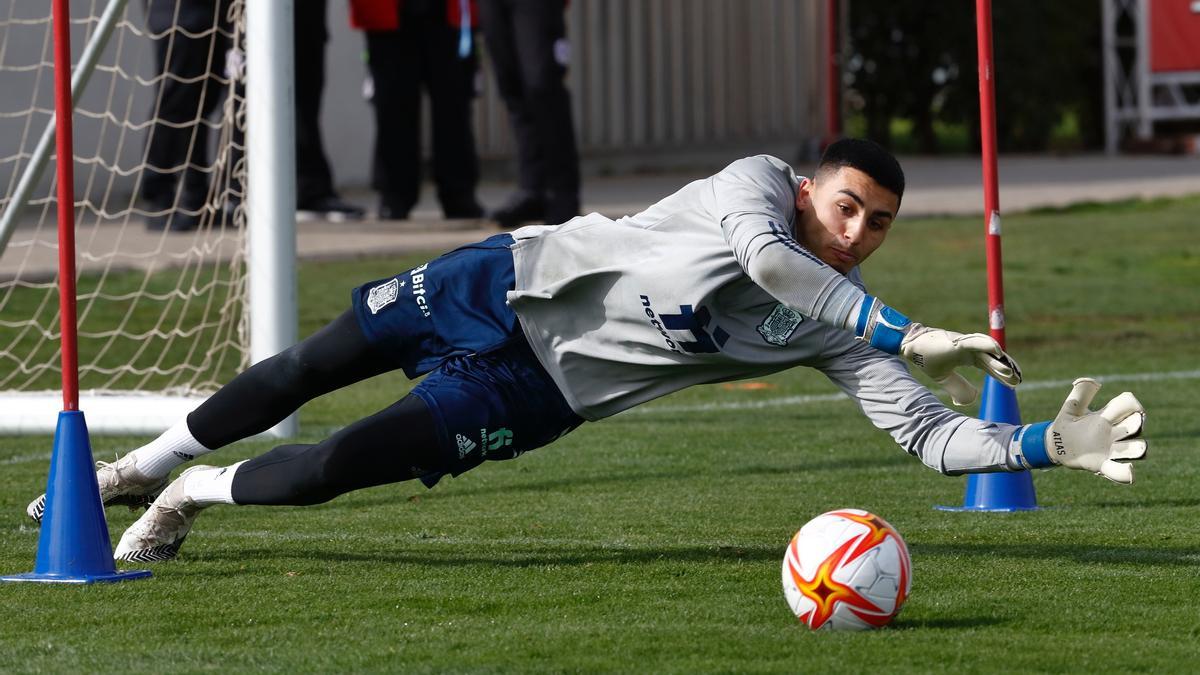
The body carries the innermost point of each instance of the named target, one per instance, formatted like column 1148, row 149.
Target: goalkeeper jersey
column 621, row 312
column 708, row 285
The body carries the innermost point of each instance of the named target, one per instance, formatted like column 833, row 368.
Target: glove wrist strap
column 881, row 326
column 1032, row 440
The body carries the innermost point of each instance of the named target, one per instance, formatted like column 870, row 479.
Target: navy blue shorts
column 489, row 395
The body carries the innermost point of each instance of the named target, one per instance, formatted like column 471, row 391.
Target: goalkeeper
column 526, row 336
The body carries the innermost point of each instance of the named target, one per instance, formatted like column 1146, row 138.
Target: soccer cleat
column 121, row 484
column 158, row 534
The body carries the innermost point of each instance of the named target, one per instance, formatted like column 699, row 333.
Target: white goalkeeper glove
column 937, row 352
column 1094, row 441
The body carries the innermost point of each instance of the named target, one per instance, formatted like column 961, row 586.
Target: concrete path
column 936, row 186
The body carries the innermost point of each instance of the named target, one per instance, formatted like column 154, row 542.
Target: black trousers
column 177, row 148
column 422, row 54
column 314, row 180
column 521, row 38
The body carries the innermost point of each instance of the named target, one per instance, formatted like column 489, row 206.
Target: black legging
column 395, row 444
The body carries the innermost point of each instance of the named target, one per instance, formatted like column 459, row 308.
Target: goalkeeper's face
column 843, row 215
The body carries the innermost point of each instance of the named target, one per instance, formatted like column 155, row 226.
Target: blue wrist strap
column 864, row 313
column 887, row 329
column 1033, row 445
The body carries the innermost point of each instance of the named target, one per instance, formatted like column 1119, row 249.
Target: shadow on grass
column 1079, row 553
column 518, row 556
column 508, row 556
column 1142, row 503
column 453, row 491
column 946, row 623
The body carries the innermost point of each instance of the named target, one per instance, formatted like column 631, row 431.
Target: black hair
column 868, row 157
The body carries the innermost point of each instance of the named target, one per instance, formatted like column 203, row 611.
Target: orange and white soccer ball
column 846, row 570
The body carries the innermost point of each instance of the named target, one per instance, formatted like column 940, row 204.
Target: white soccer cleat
column 120, row 484
column 158, row 534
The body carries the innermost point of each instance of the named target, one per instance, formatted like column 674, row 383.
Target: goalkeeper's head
column 844, row 212
column 866, row 156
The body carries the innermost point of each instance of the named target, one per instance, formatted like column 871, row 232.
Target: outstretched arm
column 1101, row 442
column 754, row 198
column 953, row 443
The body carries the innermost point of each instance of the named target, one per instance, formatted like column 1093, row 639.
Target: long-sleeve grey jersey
column 707, row 285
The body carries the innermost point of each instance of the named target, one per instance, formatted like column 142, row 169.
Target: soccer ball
column 846, row 570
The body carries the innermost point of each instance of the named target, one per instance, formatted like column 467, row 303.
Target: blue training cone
column 73, row 547
column 998, row 491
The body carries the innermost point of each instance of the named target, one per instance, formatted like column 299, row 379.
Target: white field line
column 411, row 538
column 21, row 459
column 824, row 398
column 792, row 401
column 408, row 538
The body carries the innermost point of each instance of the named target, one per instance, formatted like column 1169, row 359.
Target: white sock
column 174, row 447
column 206, row 487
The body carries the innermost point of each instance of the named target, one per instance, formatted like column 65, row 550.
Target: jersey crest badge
column 779, row 325
column 383, row 295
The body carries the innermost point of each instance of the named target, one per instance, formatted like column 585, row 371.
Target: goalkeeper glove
column 937, row 352
column 1081, row 439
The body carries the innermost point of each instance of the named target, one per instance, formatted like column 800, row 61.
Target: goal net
column 159, row 122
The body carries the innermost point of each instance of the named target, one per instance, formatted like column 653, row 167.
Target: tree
column 916, row 60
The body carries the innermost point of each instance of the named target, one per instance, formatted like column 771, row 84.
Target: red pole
column 66, row 203
column 991, row 186
column 833, row 74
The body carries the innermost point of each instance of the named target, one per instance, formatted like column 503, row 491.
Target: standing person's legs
column 177, row 142
column 213, row 88
column 394, row 62
column 314, row 179
column 539, row 33
column 450, row 80
column 496, row 18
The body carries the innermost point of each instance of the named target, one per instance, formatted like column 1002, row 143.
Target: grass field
column 651, row 542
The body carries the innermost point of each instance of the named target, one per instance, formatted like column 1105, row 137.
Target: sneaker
column 332, row 209
column 158, row 534
column 120, row 484
column 522, row 206
column 389, row 211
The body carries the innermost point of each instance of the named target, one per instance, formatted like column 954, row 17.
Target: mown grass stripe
column 825, row 398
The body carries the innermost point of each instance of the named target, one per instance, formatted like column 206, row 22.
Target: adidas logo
column 465, row 445
column 183, row 455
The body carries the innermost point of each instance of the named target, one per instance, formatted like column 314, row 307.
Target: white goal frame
column 270, row 240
